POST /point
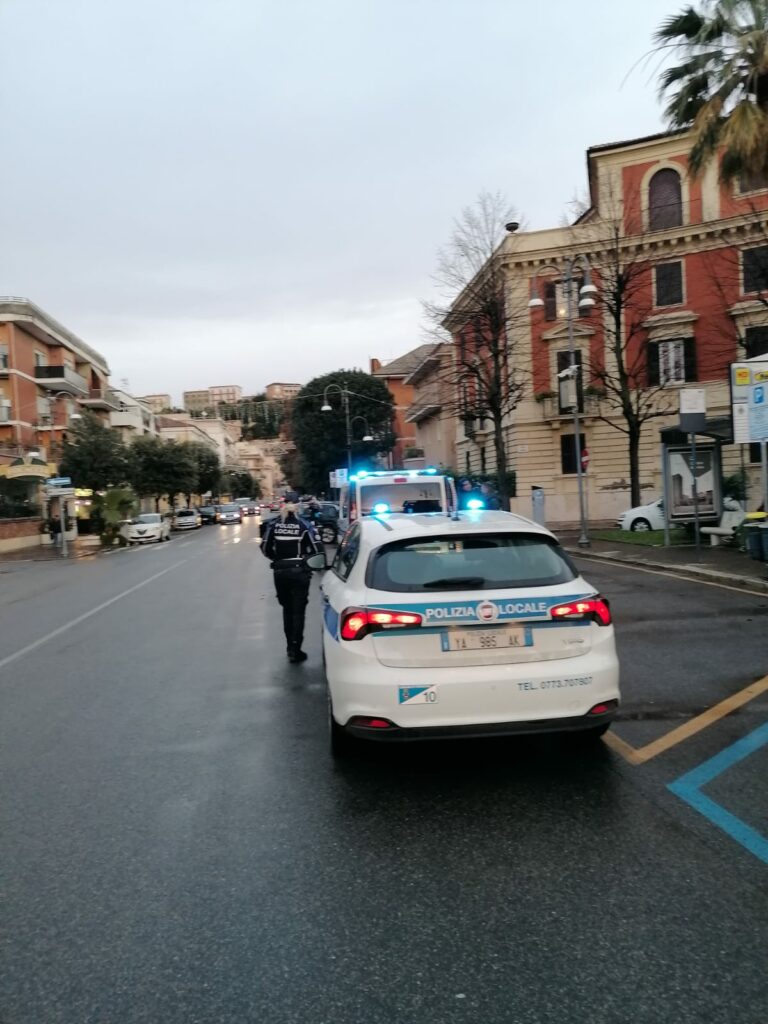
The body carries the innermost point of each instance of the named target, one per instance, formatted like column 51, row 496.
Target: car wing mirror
column 316, row 561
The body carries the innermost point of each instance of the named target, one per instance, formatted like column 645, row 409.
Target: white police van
column 410, row 491
column 471, row 624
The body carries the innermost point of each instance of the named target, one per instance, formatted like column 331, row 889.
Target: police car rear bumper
column 398, row 734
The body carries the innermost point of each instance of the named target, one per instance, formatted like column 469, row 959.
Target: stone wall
column 16, row 534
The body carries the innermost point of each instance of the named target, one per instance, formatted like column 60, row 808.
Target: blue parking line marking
column 688, row 787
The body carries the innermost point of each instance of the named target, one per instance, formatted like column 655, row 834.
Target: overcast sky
column 238, row 192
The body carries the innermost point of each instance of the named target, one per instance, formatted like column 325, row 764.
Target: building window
column 467, row 467
column 754, row 453
column 556, row 300
column 668, row 281
column 756, row 269
column 756, row 342
column 671, row 362
column 569, row 452
column 43, row 409
column 665, row 200
column 4, row 358
column 40, row 358
column 752, row 182
column 569, row 389
column 482, row 460
column 550, row 300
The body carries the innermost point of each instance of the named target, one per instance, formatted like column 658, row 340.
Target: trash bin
column 752, row 541
column 763, row 534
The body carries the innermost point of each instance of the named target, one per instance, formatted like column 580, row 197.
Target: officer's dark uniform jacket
column 286, row 543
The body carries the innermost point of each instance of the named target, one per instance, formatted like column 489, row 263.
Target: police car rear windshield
column 473, row 562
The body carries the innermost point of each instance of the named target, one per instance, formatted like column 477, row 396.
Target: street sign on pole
column 59, row 481
column 693, row 410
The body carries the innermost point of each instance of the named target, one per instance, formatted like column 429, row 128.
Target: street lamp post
column 586, row 301
column 327, row 407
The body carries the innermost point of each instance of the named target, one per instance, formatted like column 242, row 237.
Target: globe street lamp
column 367, row 436
column 565, row 269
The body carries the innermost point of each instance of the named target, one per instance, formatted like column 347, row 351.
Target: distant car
column 643, row 517
column 275, row 506
column 186, row 519
column 229, row 513
column 325, row 516
column 207, row 514
column 147, row 528
column 249, row 506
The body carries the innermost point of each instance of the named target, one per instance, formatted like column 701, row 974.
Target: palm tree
column 720, row 88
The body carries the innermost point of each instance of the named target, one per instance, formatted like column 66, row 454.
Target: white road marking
column 86, row 615
column 672, row 575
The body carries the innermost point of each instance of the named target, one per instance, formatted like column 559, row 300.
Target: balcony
column 426, row 403
column 128, row 418
column 102, row 399
column 552, row 410
column 61, row 378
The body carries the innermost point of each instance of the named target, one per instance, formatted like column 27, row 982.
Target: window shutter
column 690, row 359
column 550, row 300
column 665, row 205
column 669, row 284
column 653, row 365
column 756, row 269
column 756, row 341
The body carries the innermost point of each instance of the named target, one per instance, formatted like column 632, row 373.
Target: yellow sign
column 761, row 376
column 741, row 376
column 83, row 492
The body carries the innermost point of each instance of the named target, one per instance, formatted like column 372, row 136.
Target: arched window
column 665, row 201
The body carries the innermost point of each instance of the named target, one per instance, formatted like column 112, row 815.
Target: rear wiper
column 456, row 581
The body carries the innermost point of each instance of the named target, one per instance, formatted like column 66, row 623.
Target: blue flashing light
column 352, row 479
column 431, row 470
column 474, row 504
column 380, row 508
column 361, row 473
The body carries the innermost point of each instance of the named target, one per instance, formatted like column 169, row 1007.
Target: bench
column 731, row 520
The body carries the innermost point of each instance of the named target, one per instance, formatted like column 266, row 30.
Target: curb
column 692, row 572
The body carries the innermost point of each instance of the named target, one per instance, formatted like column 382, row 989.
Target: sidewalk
column 83, row 547
column 723, row 564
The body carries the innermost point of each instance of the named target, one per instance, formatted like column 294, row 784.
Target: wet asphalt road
column 177, row 845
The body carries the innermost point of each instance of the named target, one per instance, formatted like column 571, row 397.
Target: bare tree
column 627, row 377
column 477, row 316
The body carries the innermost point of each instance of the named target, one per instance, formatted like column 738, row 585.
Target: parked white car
column 475, row 625
column 147, row 528
column 643, row 517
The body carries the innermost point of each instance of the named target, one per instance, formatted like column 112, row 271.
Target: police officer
column 287, row 541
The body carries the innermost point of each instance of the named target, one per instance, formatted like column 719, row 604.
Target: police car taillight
column 595, row 608
column 359, row 622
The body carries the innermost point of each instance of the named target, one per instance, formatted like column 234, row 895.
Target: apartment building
column 230, row 394
column 156, row 403
column 432, row 412
column 47, row 374
column 134, row 417
column 282, row 391
column 693, row 259
column 197, row 401
column 394, row 374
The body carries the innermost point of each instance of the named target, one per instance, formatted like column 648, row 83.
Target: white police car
column 476, row 624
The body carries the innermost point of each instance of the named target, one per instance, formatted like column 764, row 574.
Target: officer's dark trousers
column 293, row 593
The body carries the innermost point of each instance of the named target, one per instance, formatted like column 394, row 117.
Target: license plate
column 486, row 639
column 417, row 695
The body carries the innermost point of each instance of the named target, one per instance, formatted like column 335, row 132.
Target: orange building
column 393, row 374
column 693, row 257
column 46, row 374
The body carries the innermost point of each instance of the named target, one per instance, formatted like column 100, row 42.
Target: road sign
column 749, row 398
column 58, row 481
column 59, row 492
column 585, row 458
column 693, row 410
